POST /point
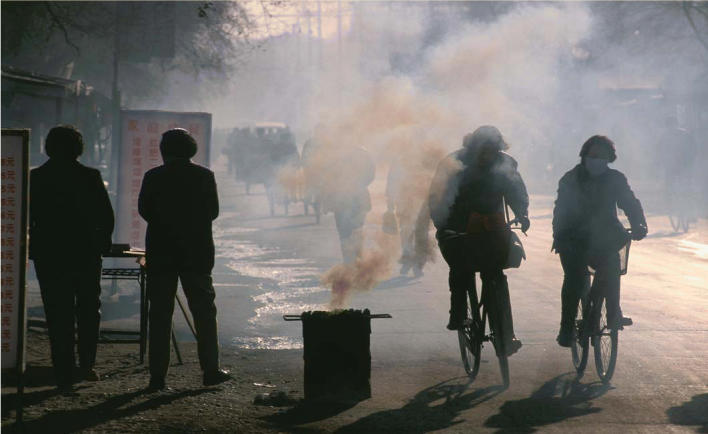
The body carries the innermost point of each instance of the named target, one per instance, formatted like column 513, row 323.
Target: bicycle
column 596, row 331
column 472, row 336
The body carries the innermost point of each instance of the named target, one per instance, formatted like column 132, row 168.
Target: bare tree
column 208, row 37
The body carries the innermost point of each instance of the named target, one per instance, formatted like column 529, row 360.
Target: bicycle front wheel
column 579, row 348
column 470, row 338
column 605, row 342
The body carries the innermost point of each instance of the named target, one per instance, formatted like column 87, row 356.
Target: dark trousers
column 162, row 289
column 464, row 256
column 349, row 222
column 71, row 293
column 576, row 281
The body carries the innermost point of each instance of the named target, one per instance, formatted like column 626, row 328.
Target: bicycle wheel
column 504, row 368
column 498, row 333
column 470, row 337
column 605, row 345
column 579, row 349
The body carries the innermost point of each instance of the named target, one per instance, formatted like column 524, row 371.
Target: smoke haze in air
column 407, row 81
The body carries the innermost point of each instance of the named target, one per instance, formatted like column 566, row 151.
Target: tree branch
column 687, row 12
column 57, row 21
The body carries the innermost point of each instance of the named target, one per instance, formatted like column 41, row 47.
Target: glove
column 525, row 223
column 639, row 232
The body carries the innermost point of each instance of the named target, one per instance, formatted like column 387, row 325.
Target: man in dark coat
column 587, row 232
column 179, row 201
column 71, row 222
column 467, row 197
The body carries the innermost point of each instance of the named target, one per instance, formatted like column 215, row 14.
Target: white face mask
column 595, row 166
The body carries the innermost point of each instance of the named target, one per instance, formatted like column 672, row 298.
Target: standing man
column 71, row 223
column 179, row 201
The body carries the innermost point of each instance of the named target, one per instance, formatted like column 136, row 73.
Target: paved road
column 270, row 266
column 267, row 267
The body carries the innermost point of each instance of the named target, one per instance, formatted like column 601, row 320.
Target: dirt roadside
column 118, row 403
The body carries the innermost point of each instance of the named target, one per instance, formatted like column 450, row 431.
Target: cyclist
column 586, row 230
column 467, row 196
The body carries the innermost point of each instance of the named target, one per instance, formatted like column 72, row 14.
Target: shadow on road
column 692, row 413
column 398, row 282
column 111, row 409
column 559, row 399
column 434, row 408
column 664, row 234
column 305, row 412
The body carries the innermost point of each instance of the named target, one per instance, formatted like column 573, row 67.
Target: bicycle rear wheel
column 605, row 342
column 498, row 332
column 470, row 337
column 504, row 368
column 579, row 348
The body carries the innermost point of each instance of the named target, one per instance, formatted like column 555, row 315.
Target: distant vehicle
column 265, row 153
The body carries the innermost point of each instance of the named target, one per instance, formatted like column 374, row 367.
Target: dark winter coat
column 70, row 213
column 460, row 188
column 585, row 213
column 179, row 202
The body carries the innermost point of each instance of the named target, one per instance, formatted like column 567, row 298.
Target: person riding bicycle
column 467, row 198
column 587, row 232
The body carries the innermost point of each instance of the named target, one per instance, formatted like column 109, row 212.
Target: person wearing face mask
column 587, row 232
column 467, row 196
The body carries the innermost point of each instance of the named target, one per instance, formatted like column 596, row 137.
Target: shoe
column 452, row 326
column 565, row 337
column 90, row 374
column 156, row 384
column 66, row 389
column 620, row 322
column 404, row 269
column 454, row 323
column 513, row 347
column 218, row 376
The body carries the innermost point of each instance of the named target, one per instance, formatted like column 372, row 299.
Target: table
column 137, row 274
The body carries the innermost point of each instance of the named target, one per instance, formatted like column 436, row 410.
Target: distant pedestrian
column 71, row 223
column 179, row 202
column 349, row 173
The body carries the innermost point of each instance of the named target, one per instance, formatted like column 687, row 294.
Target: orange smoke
column 373, row 267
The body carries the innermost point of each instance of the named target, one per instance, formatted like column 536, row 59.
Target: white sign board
column 13, row 183
column 141, row 131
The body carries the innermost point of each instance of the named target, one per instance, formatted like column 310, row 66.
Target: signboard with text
column 14, row 184
column 141, row 131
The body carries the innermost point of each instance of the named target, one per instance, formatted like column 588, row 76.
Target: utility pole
column 309, row 38
column 319, row 34
column 116, row 103
column 339, row 54
column 298, row 38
